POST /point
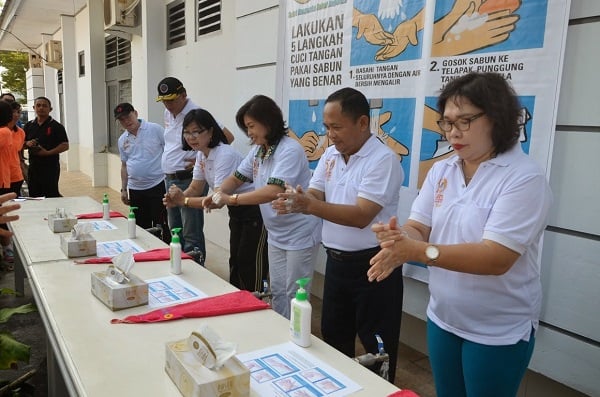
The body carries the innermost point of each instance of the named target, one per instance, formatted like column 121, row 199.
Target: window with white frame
column 175, row 24
column 208, row 17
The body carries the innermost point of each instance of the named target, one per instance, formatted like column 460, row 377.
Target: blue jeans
column 190, row 220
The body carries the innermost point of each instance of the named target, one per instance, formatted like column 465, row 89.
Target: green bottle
column 105, row 207
column 131, row 222
column 175, row 252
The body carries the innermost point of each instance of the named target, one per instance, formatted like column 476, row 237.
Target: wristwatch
column 234, row 199
column 432, row 253
column 186, row 202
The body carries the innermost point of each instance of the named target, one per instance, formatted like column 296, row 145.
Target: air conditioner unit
column 119, row 13
column 35, row 61
column 53, row 50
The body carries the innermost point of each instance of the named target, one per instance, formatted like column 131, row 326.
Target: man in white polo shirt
column 355, row 185
column 142, row 180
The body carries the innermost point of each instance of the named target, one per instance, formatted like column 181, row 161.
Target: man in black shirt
column 45, row 138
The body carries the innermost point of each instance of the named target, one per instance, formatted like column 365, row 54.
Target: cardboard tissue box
column 79, row 242
column 188, row 368
column 61, row 221
column 119, row 296
column 117, row 287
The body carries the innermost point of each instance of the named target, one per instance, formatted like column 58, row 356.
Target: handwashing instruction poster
column 286, row 370
column 171, row 290
column 401, row 53
column 114, row 248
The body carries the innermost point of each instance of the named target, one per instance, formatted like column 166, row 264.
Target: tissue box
column 195, row 380
column 119, row 296
column 85, row 246
column 61, row 225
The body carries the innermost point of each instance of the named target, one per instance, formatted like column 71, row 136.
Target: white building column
column 34, row 81
column 147, row 65
column 97, row 83
column 69, row 96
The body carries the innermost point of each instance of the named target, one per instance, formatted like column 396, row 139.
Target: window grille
column 118, row 51
column 175, row 24
column 209, row 16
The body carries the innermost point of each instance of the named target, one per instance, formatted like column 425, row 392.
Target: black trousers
column 42, row 180
column 354, row 306
column 151, row 210
column 248, row 260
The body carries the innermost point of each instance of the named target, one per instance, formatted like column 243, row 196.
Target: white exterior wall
column 84, row 94
column 223, row 69
column 568, row 347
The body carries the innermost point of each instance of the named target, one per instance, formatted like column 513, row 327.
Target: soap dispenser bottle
column 105, row 207
column 175, row 251
column 300, row 315
column 131, row 222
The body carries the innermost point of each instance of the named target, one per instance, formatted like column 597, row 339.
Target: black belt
column 185, row 174
column 357, row 256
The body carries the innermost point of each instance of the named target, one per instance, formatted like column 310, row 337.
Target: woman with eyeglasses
column 477, row 224
column 215, row 161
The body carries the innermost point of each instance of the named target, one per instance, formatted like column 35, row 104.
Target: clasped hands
column 176, row 198
column 291, row 201
column 394, row 243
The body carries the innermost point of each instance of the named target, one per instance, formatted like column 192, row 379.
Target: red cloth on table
column 404, row 393
column 98, row 215
column 233, row 302
column 157, row 254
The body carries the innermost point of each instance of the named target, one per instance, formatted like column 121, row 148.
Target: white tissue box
column 119, row 296
column 61, row 225
column 85, row 246
column 195, row 380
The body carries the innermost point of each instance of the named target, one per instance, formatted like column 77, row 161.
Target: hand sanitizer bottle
column 105, row 207
column 175, row 251
column 131, row 222
column 300, row 315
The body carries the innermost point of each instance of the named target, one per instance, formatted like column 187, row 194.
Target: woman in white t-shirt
column 477, row 223
column 274, row 161
column 215, row 161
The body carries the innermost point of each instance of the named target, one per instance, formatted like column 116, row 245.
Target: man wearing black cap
column 177, row 163
column 142, row 180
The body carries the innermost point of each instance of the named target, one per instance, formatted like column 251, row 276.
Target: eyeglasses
column 193, row 134
column 462, row 124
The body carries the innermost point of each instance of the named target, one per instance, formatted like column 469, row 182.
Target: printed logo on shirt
column 48, row 131
column 255, row 166
column 203, row 166
column 329, row 168
column 439, row 193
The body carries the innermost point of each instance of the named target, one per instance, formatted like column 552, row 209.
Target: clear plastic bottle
column 300, row 315
column 105, row 207
column 175, row 252
column 131, row 222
